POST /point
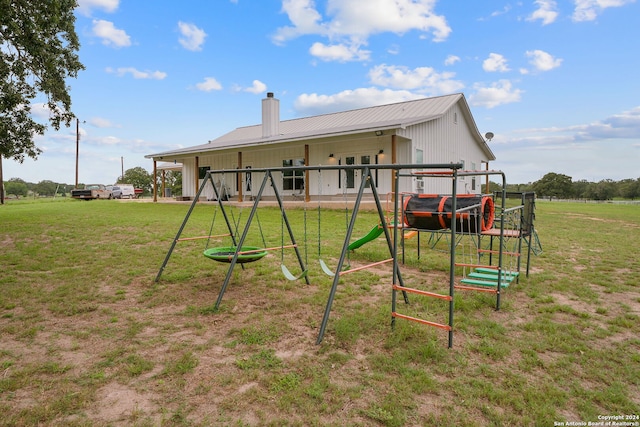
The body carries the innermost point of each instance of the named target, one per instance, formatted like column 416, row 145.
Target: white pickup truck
column 128, row 191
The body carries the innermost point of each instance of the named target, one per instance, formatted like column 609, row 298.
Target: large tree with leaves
column 138, row 177
column 38, row 45
column 554, row 185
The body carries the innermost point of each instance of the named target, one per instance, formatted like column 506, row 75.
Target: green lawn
column 88, row 338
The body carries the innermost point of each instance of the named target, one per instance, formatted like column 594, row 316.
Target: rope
column 319, row 200
column 215, row 213
column 346, row 216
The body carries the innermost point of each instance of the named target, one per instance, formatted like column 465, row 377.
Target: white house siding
column 324, row 185
column 447, row 139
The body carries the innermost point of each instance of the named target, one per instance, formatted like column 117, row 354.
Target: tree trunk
column 1, row 183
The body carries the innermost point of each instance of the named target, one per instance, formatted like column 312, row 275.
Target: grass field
column 88, row 338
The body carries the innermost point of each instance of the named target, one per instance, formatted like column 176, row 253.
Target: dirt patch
column 119, row 403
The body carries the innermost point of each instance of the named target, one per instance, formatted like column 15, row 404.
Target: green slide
column 375, row 232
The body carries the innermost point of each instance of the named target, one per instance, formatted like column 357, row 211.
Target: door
column 351, row 181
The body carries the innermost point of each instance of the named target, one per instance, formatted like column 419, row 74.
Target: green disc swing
column 225, row 254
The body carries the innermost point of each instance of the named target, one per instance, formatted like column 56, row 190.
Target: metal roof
column 381, row 117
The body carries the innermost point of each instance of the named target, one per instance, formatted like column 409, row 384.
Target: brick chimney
column 270, row 116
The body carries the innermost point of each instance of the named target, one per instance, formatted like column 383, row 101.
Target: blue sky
column 557, row 82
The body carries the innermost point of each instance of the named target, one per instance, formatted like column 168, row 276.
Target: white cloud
column 619, row 126
column 599, row 150
column 451, row 59
column 588, row 10
column 495, row 62
column 40, row 111
column 355, row 17
column 192, row 36
column 101, row 122
column 504, row 11
column 110, row 35
column 314, row 104
column 257, row 87
column 546, row 12
column 542, row 61
column 86, row 6
column 209, row 84
column 499, row 93
column 304, row 17
column 137, row 74
column 107, row 140
column 425, row 79
column 338, row 52
column 393, row 49
column 351, row 22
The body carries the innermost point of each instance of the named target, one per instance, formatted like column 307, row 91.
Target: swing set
column 238, row 252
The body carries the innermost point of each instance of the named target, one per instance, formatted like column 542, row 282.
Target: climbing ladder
column 496, row 269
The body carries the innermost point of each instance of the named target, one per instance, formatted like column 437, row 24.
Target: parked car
column 116, row 192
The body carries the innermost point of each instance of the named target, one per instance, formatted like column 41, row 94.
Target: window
column 350, row 173
column 419, row 179
column 293, row 180
column 473, row 179
column 202, row 171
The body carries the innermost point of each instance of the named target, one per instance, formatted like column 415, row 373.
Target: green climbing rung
column 487, row 283
column 495, row 272
column 488, row 276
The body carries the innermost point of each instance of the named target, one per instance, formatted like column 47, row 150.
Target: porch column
column 155, row 181
column 239, row 176
column 394, row 160
column 306, row 174
column 197, row 174
column 162, row 187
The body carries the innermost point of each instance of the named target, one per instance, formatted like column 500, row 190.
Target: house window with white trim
column 293, row 180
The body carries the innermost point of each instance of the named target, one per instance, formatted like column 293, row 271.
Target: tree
column 629, row 188
column 138, row 177
column 45, row 188
column 38, row 54
column 581, row 189
column 172, row 180
column 604, row 190
column 554, row 185
column 17, row 187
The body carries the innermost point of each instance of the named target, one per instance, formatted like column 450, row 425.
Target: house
column 424, row 131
